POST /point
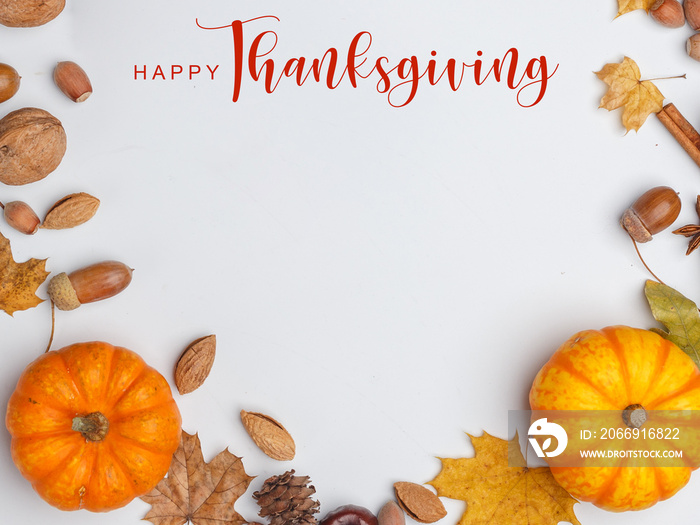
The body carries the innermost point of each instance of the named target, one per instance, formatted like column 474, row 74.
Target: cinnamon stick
column 681, row 130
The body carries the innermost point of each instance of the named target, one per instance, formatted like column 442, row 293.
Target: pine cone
column 286, row 500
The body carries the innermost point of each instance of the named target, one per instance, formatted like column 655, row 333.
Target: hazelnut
column 87, row 285
column 651, row 213
column 692, row 46
column 391, row 514
column 9, row 82
column 72, row 80
column 21, row 217
column 692, row 13
column 29, row 13
column 668, row 13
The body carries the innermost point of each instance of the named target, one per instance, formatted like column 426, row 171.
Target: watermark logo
column 542, row 427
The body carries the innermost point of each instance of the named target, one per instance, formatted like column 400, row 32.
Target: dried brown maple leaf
column 19, row 281
column 499, row 494
column 627, row 6
column 640, row 98
column 198, row 492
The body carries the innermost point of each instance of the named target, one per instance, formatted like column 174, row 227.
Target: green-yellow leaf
column 678, row 314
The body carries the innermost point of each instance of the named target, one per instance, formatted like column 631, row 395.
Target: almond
column 72, row 80
column 194, row 364
column 419, row 503
column 72, row 210
column 269, row 435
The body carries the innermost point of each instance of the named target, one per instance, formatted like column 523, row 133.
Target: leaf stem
column 666, row 78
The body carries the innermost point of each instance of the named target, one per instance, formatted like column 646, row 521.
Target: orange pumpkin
column 92, row 426
column 615, row 369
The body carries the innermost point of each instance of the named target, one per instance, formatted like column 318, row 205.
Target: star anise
column 692, row 231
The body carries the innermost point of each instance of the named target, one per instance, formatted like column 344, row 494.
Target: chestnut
column 349, row 515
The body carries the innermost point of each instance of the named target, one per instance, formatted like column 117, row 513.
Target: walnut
column 29, row 13
column 32, row 145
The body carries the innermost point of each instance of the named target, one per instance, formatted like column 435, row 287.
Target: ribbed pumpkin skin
column 69, row 471
column 611, row 369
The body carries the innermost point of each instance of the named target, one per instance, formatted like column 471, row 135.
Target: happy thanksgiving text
column 399, row 79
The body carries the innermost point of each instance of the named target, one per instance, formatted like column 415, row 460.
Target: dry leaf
column 627, row 6
column 19, row 281
column 678, row 314
column 419, row 503
column 269, row 435
column 72, row 210
column 497, row 493
column 194, row 364
column 640, row 98
column 198, row 492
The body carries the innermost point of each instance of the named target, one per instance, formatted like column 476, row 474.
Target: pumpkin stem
column 634, row 416
column 92, row 426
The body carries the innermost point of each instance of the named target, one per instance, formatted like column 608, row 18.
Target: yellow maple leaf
column 499, row 494
column 627, row 6
column 19, row 281
column 640, row 98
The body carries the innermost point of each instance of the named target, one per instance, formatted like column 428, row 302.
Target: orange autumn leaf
column 198, row 492
column 19, row 281
column 499, row 494
column 640, row 98
column 627, row 6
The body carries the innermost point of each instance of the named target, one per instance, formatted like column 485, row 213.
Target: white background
column 380, row 280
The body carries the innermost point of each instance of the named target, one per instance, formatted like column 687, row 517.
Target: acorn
column 9, row 82
column 87, row 285
column 651, row 213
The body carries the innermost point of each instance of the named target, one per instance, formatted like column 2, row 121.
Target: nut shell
column 9, row 82
column 29, row 13
column 651, row 213
column 32, row 145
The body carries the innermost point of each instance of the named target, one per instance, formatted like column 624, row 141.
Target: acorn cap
column 62, row 293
